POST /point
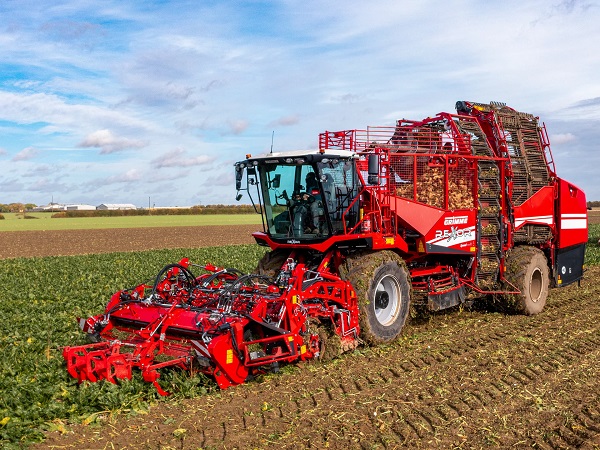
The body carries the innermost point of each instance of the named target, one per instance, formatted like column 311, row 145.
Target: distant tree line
column 200, row 209
column 16, row 207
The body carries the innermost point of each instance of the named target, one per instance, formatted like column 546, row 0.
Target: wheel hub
column 535, row 285
column 387, row 300
column 382, row 300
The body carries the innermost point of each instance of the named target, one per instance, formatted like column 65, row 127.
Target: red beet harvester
column 433, row 213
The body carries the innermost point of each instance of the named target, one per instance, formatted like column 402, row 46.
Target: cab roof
column 309, row 155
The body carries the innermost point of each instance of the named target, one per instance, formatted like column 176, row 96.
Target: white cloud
column 211, row 80
column 26, row 154
column 11, row 185
column 562, row 138
column 130, row 175
column 46, row 185
column 179, row 158
column 109, row 143
column 44, row 170
column 238, row 126
column 222, row 180
column 286, row 121
column 25, row 108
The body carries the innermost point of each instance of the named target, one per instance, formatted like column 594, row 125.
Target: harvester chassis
column 437, row 212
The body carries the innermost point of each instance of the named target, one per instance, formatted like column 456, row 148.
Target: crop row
column 592, row 253
column 39, row 301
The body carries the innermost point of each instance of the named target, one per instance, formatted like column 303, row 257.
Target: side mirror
column 373, row 178
column 276, row 181
column 239, row 175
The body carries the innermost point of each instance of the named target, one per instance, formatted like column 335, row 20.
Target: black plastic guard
column 448, row 299
column 569, row 265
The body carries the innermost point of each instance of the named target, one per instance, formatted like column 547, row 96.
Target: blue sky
column 122, row 101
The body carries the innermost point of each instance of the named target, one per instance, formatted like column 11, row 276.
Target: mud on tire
column 527, row 269
column 382, row 285
column 271, row 262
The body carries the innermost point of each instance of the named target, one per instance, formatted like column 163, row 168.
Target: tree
column 16, row 207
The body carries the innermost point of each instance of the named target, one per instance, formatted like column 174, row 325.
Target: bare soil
column 594, row 216
column 14, row 244
column 461, row 379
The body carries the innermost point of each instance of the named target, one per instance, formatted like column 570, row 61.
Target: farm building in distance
column 51, row 207
column 80, row 208
column 115, row 206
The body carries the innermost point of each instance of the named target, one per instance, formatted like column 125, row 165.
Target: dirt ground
column 462, row 379
column 14, row 244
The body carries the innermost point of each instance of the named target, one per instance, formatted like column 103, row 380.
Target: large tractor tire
column 527, row 270
column 382, row 284
column 271, row 262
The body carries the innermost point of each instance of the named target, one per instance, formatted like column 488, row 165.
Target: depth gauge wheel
column 382, row 285
column 527, row 269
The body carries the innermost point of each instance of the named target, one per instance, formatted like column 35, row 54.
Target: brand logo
column 454, row 233
column 293, row 241
column 457, row 220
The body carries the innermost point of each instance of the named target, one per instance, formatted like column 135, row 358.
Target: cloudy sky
column 125, row 101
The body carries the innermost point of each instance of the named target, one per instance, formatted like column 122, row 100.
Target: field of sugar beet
column 466, row 378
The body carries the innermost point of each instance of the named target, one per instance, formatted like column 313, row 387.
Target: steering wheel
column 283, row 196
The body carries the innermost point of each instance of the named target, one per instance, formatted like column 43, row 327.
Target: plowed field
column 461, row 379
column 464, row 379
column 14, row 244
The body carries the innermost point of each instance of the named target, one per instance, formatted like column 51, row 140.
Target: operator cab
column 304, row 195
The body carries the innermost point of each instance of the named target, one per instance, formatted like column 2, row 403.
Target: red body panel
column 378, row 241
column 417, row 216
column 571, row 215
column 537, row 210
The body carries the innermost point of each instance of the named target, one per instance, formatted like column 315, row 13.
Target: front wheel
column 272, row 261
column 382, row 285
column 527, row 270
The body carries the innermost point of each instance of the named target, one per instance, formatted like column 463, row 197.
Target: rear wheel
column 527, row 269
column 382, row 285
